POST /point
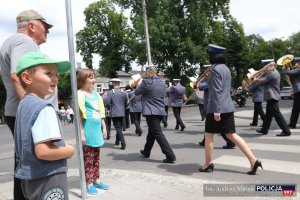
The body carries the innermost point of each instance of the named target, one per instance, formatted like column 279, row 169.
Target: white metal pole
column 75, row 99
column 146, row 34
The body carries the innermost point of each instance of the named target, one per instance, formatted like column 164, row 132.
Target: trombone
column 194, row 82
column 254, row 75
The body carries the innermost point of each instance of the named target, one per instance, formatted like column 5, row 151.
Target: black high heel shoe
column 255, row 166
column 209, row 168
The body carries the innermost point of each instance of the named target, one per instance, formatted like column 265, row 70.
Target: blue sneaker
column 101, row 185
column 91, row 190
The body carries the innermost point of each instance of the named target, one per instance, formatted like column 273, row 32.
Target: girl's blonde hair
column 82, row 75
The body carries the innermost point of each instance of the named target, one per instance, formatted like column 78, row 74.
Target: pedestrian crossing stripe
column 274, row 147
column 292, row 130
column 268, row 164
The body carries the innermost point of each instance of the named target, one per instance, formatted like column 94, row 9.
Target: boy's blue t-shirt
column 41, row 131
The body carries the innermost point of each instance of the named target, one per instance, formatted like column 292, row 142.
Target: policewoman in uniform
column 176, row 93
column 117, row 101
column 152, row 90
column 220, row 111
column 271, row 83
column 203, row 86
column 295, row 76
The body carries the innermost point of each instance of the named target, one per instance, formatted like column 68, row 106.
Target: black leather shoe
column 166, row 125
column 144, row 154
column 260, row 131
column 176, row 127
column 167, row 160
column 202, row 144
column 117, row 142
column 123, row 147
column 283, row 134
column 291, row 126
column 253, row 124
column 255, row 166
column 182, row 128
column 228, row 146
column 209, row 168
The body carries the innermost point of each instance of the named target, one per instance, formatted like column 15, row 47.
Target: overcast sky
column 268, row 18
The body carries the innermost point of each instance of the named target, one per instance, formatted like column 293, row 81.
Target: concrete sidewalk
column 130, row 185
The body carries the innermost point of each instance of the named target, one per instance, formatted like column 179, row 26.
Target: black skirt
column 225, row 125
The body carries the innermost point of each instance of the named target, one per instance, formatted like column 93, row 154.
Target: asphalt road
column 279, row 155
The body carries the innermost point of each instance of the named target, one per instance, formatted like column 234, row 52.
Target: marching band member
column 203, row 86
column 152, row 90
column 135, row 108
column 295, row 75
column 220, row 111
column 257, row 99
column 271, row 83
column 117, row 101
column 177, row 93
column 166, row 100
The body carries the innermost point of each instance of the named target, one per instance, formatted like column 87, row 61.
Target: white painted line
column 274, row 147
column 297, row 130
column 268, row 164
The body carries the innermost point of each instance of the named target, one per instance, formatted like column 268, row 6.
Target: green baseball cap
column 33, row 59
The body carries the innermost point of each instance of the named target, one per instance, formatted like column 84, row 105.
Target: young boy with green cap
column 41, row 153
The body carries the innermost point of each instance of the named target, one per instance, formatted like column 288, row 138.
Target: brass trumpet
column 194, row 82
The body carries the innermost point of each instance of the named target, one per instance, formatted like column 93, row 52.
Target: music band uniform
column 257, row 99
column 295, row 76
column 176, row 93
column 203, row 86
column 135, row 108
column 166, row 100
column 220, row 111
column 152, row 90
column 117, row 101
column 271, row 84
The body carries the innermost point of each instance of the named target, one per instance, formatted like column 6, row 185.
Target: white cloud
column 268, row 18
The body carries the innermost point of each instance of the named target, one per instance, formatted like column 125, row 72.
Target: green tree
column 108, row 35
column 178, row 32
column 64, row 86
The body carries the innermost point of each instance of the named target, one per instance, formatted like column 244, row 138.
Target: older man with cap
column 32, row 30
column 152, row 90
column 271, row 83
column 295, row 76
column 176, row 94
column 220, row 111
column 117, row 101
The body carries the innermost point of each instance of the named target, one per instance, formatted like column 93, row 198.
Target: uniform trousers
column 272, row 110
column 18, row 194
column 136, row 120
column 165, row 119
column 202, row 112
column 118, row 123
column 258, row 110
column 179, row 122
column 155, row 133
column 108, row 125
column 295, row 110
